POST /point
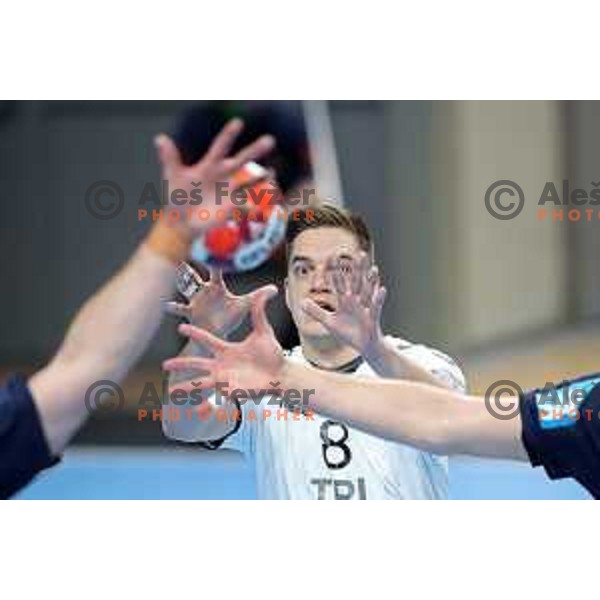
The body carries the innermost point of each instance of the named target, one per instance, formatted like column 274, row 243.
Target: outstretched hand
column 251, row 364
column 212, row 307
column 356, row 320
column 203, row 177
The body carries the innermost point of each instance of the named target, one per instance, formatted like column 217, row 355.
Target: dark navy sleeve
column 24, row 451
column 562, row 437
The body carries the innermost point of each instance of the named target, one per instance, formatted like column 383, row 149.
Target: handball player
column 557, row 428
column 335, row 298
column 38, row 417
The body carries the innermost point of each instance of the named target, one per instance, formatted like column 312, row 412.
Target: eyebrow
column 300, row 258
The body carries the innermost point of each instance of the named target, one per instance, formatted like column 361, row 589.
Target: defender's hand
column 215, row 167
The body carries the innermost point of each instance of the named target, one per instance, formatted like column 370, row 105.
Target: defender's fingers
column 257, row 149
column 213, row 343
column 224, row 141
column 245, row 179
column 168, row 154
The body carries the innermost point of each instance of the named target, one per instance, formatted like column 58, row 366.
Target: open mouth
column 325, row 305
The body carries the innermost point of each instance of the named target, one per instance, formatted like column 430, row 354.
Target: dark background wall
column 54, row 254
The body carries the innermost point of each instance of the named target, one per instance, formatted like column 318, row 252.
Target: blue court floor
column 145, row 473
column 472, row 478
column 176, row 473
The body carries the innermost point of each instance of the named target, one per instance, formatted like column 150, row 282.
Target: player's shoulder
column 437, row 362
column 419, row 350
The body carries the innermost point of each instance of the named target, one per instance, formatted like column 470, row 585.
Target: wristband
column 170, row 241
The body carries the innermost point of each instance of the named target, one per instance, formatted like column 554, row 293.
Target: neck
column 327, row 352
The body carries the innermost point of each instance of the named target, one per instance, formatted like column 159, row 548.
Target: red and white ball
column 247, row 239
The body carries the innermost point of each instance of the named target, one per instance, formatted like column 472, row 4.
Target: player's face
column 314, row 253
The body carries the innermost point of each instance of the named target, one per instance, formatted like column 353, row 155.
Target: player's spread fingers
column 355, row 281
column 216, row 275
column 189, row 363
column 371, row 283
column 197, row 383
column 198, row 276
column 269, row 289
column 312, row 309
column 188, row 280
column 337, row 276
column 258, row 309
column 176, row 308
column 213, row 343
column 378, row 301
column 359, row 268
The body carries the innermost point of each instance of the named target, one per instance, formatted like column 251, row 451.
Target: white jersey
column 306, row 457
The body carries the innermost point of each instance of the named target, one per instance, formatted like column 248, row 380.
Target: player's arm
column 106, row 337
column 213, row 307
column 356, row 321
column 427, row 417
column 564, row 441
column 391, row 361
column 113, row 328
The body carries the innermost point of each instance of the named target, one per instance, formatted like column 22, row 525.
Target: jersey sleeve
column 185, row 426
column 242, row 438
column 440, row 365
column 24, row 451
column 562, row 433
column 245, row 437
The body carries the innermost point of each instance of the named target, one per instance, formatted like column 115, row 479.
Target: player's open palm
column 210, row 304
column 215, row 167
column 356, row 317
column 251, row 364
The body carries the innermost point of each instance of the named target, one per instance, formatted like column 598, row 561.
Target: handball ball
column 247, row 235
